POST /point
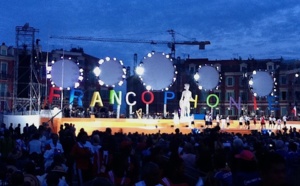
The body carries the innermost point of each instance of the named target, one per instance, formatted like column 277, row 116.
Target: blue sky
column 252, row 28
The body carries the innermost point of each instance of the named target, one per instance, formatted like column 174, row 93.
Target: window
column 283, row 96
column 3, row 52
column 283, row 111
column 3, row 89
column 283, row 80
column 192, row 70
column 203, row 96
column 230, row 81
column 243, row 67
column 4, row 67
column 244, row 96
column 3, row 105
column 3, row 72
column 241, row 82
column 229, row 94
column 270, row 67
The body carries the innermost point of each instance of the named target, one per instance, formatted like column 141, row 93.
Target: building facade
column 235, row 75
column 7, row 60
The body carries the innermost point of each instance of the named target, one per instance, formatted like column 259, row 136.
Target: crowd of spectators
column 37, row 156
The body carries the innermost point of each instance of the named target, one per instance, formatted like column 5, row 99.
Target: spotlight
column 197, row 76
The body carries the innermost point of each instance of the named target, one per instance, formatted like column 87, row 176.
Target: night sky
column 235, row 28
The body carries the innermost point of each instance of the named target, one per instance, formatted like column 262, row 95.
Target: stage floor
column 148, row 126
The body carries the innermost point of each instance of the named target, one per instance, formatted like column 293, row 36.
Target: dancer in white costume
column 184, row 102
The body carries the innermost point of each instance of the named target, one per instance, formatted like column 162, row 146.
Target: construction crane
column 170, row 44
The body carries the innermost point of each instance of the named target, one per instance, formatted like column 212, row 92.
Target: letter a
column 96, row 99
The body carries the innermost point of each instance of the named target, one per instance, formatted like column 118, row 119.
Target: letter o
column 151, row 97
column 217, row 102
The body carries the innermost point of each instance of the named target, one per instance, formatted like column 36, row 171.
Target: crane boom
column 171, row 44
column 83, row 38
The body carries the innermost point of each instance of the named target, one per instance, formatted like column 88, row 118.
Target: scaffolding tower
column 26, row 94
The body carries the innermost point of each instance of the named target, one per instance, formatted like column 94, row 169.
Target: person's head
column 82, row 137
column 151, row 173
column 54, row 137
column 246, row 161
column 273, row 170
column 52, row 179
column 292, row 147
column 108, row 131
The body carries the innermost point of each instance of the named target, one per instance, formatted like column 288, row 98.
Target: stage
column 148, row 126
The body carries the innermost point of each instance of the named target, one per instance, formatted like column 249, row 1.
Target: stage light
column 197, row 76
column 120, row 83
column 148, row 87
column 297, row 75
column 140, row 70
column 97, row 71
column 49, row 68
column 49, row 76
column 80, row 70
column 254, row 71
column 251, row 82
column 101, row 61
column 101, row 82
column 107, row 58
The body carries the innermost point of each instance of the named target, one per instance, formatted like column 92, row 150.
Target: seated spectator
column 222, row 175
column 189, row 158
column 247, row 173
column 150, row 175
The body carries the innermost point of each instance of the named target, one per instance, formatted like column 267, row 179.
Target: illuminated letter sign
column 151, row 97
column 127, row 98
column 79, row 95
column 168, row 95
column 96, row 99
column 113, row 95
column 217, row 100
column 52, row 94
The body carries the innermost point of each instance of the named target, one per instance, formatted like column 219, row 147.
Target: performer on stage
column 184, row 102
column 228, row 121
column 284, row 118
